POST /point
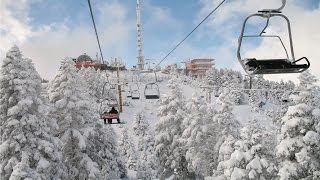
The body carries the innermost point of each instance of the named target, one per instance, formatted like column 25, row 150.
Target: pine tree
column 221, row 126
column 147, row 166
column 94, row 81
column 194, row 137
column 127, row 149
column 28, row 150
column 248, row 157
column 140, row 124
column 299, row 145
column 235, row 84
column 75, row 118
column 105, row 152
column 144, row 170
column 168, row 132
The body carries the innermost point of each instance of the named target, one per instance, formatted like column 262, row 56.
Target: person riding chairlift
column 112, row 111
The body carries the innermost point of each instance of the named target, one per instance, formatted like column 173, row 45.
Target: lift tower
column 139, row 38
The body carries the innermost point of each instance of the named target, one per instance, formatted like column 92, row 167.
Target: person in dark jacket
column 113, row 111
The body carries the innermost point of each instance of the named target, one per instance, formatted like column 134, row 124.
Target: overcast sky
column 49, row 30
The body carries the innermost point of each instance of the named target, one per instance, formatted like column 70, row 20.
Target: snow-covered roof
column 83, row 58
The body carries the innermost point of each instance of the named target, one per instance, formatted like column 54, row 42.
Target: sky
column 47, row 31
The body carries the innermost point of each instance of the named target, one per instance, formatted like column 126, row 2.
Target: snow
column 230, row 137
column 316, row 112
column 243, row 113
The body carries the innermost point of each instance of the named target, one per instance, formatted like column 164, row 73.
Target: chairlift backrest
column 108, row 103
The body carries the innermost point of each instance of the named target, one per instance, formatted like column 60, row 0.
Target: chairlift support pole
column 119, row 86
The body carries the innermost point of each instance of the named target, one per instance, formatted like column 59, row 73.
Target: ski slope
column 242, row 113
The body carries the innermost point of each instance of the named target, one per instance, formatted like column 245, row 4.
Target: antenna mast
column 139, row 38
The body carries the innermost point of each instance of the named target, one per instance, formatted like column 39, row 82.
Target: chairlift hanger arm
column 278, row 10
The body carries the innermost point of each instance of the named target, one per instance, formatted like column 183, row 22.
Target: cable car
column 253, row 65
column 151, row 91
column 135, row 94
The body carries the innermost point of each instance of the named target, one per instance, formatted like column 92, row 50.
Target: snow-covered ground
column 243, row 113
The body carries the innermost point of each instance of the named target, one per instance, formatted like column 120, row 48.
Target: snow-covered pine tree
column 28, row 150
column 250, row 157
column 127, row 149
column 212, row 77
column 194, row 137
column 235, row 84
column 298, row 149
column 221, row 126
column 140, row 124
column 94, row 81
column 147, row 166
column 75, row 117
column 168, row 132
column 144, row 170
column 257, row 96
column 104, row 148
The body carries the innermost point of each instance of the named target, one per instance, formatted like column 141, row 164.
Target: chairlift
column 271, row 66
column 106, row 114
column 151, row 91
column 135, row 94
column 128, row 94
column 112, row 86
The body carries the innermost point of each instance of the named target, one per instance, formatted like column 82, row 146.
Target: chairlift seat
column 109, row 116
column 135, row 97
column 274, row 66
column 152, row 96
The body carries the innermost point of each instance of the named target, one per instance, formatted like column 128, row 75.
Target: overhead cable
column 95, row 29
column 190, row 33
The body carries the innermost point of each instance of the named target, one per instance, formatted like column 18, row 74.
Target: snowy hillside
column 210, row 128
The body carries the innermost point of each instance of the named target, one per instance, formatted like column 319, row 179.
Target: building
column 198, row 67
column 169, row 68
column 86, row 61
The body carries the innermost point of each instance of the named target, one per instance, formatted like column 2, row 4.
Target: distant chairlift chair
column 271, row 66
column 151, row 91
column 128, row 93
column 135, row 94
